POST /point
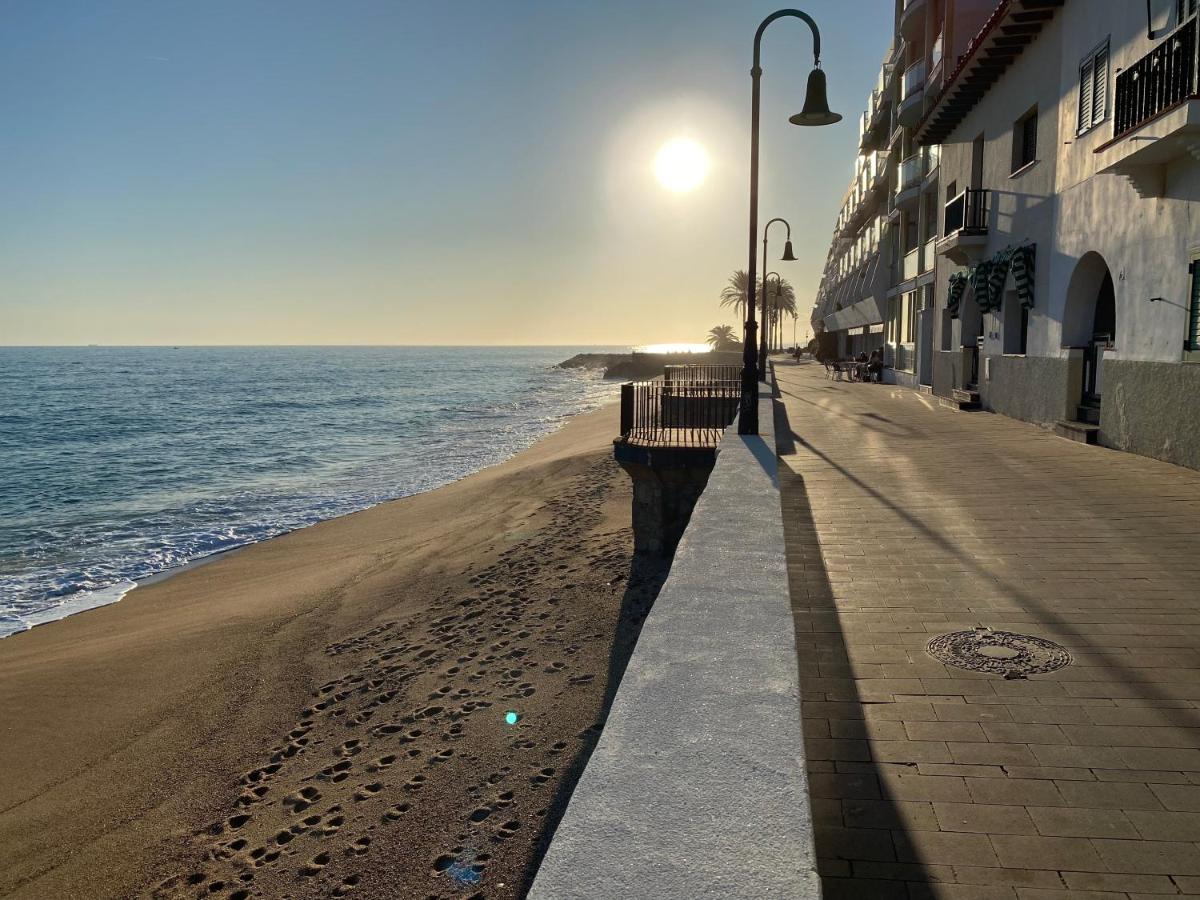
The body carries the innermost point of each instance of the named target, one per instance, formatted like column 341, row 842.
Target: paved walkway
column 903, row 521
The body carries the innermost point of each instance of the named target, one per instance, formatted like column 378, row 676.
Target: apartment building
column 880, row 270
column 1067, row 251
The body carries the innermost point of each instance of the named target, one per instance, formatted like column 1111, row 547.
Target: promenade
column 904, row 521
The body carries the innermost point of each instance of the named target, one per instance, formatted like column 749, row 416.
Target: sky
column 405, row 172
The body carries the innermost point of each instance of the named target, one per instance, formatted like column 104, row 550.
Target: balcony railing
column 910, row 172
column 935, row 54
column 912, row 264
column 928, row 256
column 914, row 79
column 931, row 157
column 681, row 415
column 967, row 213
column 1159, row 80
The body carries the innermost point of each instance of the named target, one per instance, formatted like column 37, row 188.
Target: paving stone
column 943, row 848
column 1018, row 791
column 1105, row 795
column 982, row 818
column 1149, row 857
column 890, row 542
column 1059, row 821
column 1056, row 853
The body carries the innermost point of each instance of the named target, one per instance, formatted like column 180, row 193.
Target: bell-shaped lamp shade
column 788, row 255
column 816, row 103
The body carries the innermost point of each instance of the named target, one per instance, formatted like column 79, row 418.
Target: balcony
column 908, row 183
column 912, row 19
column 931, row 158
column 1156, row 113
column 1162, row 78
column 912, row 95
column 965, row 231
column 912, row 265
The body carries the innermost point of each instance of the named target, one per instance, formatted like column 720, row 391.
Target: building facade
column 1065, row 278
column 879, row 272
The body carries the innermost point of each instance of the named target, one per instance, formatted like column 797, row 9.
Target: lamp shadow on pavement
column 1168, row 707
column 860, row 841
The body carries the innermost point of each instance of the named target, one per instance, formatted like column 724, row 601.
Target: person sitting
column 875, row 366
column 860, row 370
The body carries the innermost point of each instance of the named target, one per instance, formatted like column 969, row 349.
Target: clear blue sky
column 403, row 172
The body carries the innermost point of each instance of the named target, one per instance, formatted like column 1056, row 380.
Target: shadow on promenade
column 856, row 852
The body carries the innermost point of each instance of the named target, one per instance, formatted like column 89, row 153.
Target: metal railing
column 1159, row 80
column 702, row 374
column 910, row 172
column 968, row 212
column 679, row 415
column 914, row 79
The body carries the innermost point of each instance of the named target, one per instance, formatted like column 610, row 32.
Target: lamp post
column 788, row 256
column 815, row 112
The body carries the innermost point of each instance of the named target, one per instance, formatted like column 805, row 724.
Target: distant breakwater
column 634, row 366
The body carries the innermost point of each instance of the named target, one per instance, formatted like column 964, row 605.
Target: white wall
column 1022, row 205
column 1064, row 206
column 1144, row 241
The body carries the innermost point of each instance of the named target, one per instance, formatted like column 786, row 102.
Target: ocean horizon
column 121, row 463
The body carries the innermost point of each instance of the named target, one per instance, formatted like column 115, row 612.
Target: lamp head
column 788, row 255
column 816, row 103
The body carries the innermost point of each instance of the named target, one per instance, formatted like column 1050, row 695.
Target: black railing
column 967, row 213
column 693, row 414
column 705, row 374
column 1164, row 77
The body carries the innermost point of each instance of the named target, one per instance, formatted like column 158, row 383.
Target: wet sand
column 323, row 714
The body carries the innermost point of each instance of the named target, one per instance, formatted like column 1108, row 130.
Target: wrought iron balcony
column 1164, row 77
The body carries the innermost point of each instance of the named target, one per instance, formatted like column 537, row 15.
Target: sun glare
column 681, row 165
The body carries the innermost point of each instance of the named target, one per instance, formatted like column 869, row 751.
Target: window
column 1192, row 343
column 1093, row 88
column 1185, row 9
column 910, row 318
column 1024, row 140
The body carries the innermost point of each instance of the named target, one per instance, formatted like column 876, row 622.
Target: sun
column 681, row 165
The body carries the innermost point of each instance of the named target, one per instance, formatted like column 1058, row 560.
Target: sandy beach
column 324, row 714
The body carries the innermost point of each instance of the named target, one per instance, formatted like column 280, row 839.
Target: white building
column 1067, row 221
column 880, row 269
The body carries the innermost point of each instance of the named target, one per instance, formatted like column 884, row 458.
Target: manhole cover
column 999, row 652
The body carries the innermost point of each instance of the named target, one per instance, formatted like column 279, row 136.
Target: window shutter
column 1100, row 93
column 1193, row 335
column 1085, row 95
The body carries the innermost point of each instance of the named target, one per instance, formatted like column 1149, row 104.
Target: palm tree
column 781, row 300
column 721, row 337
column 735, row 293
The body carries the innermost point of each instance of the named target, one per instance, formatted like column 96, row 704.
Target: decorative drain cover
column 999, row 652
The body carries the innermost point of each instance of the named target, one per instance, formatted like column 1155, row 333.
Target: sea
column 118, row 464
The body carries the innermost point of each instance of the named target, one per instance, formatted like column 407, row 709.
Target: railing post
column 626, row 408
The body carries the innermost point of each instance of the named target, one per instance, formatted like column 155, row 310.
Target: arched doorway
column 1090, row 322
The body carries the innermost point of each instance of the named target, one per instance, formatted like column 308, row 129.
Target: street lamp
column 815, row 112
column 788, row 256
